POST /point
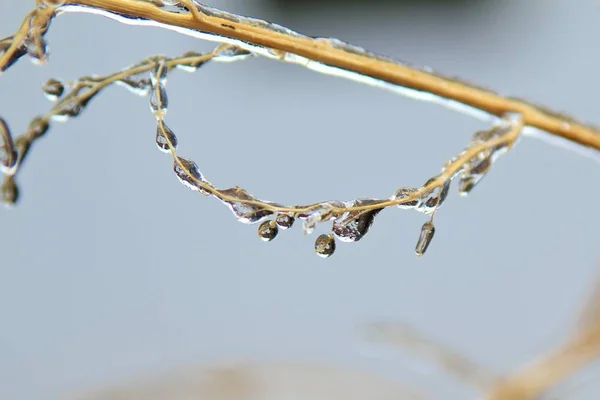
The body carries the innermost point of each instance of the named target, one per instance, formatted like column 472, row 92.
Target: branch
column 452, row 362
column 583, row 348
column 245, row 36
column 336, row 57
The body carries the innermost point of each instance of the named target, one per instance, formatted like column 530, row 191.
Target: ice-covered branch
column 242, row 37
column 326, row 55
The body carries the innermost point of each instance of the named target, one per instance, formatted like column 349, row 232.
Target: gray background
column 111, row 269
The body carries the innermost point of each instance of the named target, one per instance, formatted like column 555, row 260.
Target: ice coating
column 336, row 45
column 293, row 58
column 351, row 220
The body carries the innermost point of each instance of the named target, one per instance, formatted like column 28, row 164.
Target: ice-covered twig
column 247, row 36
column 72, row 99
column 322, row 54
column 351, row 219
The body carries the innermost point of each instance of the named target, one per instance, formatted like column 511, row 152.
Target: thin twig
column 328, row 53
column 352, row 219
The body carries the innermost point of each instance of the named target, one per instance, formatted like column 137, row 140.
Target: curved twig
column 247, row 36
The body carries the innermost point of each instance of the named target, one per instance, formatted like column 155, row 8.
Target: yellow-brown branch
column 388, row 71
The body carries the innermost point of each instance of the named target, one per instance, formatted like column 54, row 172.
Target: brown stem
column 329, row 53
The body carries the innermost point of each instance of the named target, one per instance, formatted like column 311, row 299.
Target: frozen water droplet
column 189, row 175
column 465, row 185
column 38, row 127
column 325, row 245
column 139, row 87
column 37, row 49
column 495, row 132
column 165, row 138
column 69, row 109
column 315, row 216
column 354, row 225
column 8, row 159
column 241, row 209
column 10, row 191
column 53, row 89
column 310, row 223
column 485, row 135
column 403, row 193
column 159, row 101
column 434, row 198
column 8, row 155
column 233, row 54
column 473, row 175
column 427, row 232
column 267, row 231
column 285, row 221
column 482, row 167
column 159, row 73
column 192, row 66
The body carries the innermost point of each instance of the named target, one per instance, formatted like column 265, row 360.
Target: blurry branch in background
column 243, row 37
column 537, row 379
column 533, row 382
column 450, row 361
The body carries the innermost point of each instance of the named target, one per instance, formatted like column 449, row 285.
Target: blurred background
column 111, row 270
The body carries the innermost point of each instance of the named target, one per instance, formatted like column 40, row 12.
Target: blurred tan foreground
column 248, row 381
column 259, row 382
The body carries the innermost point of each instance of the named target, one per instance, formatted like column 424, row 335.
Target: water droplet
column 473, row 175
column 484, row 136
column 310, row 223
column 68, row 109
column 465, row 185
column 404, row 193
column 53, row 89
column 495, row 132
column 192, row 66
column 139, row 87
column 10, row 191
column 189, row 175
column 434, row 198
column 165, row 138
column 239, row 205
column 354, row 225
column 325, row 245
column 427, row 232
column 38, row 127
column 267, row 231
column 233, row 54
column 285, row 221
column 37, row 49
column 318, row 213
column 159, row 101
column 159, row 73
column 8, row 159
column 22, row 145
column 8, row 155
